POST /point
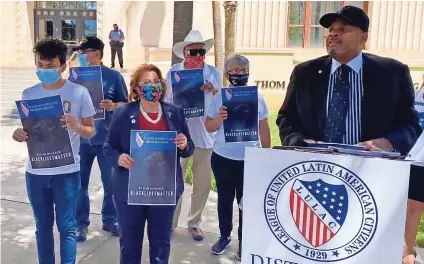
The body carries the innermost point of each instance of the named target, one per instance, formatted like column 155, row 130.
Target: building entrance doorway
column 69, row 21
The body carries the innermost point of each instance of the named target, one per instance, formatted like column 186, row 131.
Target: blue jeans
column 46, row 192
column 132, row 219
column 87, row 154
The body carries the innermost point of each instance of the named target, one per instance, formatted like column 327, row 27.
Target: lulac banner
column 310, row 208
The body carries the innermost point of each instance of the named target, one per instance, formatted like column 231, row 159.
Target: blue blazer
column 118, row 142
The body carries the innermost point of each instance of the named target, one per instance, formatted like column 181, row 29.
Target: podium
column 303, row 207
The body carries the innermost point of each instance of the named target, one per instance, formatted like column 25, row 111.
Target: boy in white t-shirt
column 228, row 158
column 57, row 187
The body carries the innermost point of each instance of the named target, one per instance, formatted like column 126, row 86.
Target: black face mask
column 238, row 80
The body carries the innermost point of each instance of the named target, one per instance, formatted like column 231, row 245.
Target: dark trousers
column 116, row 47
column 132, row 219
column 416, row 183
column 229, row 183
column 47, row 195
column 87, row 154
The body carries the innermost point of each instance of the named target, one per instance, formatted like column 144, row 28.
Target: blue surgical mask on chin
column 82, row 59
column 48, row 76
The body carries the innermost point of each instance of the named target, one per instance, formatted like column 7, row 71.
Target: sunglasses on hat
column 194, row 52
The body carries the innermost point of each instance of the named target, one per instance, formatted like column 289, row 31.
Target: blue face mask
column 48, row 76
column 82, row 59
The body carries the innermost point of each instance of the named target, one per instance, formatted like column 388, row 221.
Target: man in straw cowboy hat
column 193, row 50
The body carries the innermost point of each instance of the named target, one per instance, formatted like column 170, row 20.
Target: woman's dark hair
column 48, row 49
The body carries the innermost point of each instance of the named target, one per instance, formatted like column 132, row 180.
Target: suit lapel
column 133, row 116
column 320, row 92
column 371, row 94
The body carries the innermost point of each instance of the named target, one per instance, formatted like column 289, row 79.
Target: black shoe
column 82, row 234
column 113, row 66
column 113, row 228
column 122, row 66
column 219, row 247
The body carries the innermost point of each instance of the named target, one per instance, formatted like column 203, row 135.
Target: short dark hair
column 50, row 49
column 115, row 24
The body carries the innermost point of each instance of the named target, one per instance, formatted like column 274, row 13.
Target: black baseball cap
column 90, row 42
column 353, row 15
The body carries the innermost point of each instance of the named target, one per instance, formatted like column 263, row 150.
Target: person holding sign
column 228, row 158
column 146, row 111
column 416, row 186
column 193, row 50
column 55, row 189
column 349, row 96
column 115, row 93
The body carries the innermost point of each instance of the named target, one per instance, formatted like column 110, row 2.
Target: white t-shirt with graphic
column 81, row 107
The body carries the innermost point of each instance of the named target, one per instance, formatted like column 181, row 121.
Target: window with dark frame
column 304, row 30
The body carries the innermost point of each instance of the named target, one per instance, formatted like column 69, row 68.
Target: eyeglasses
column 194, row 52
column 149, row 83
column 237, row 71
column 86, row 51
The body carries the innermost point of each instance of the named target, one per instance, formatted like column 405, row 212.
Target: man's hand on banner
column 125, row 161
column 379, row 144
column 20, row 135
column 309, row 141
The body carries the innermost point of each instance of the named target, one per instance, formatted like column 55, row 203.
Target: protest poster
column 310, row 208
column 152, row 179
column 91, row 78
column 49, row 145
column 242, row 123
column 186, row 92
column 419, row 106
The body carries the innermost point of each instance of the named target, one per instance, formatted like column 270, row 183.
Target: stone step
column 19, row 82
column 5, row 77
column 22, row 85
column 18, row 71
column 8, row 111
column 10, row 97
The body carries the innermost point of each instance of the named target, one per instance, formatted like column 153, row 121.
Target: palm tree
column 183, row 22
column 217, row 32
column 230, row 8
